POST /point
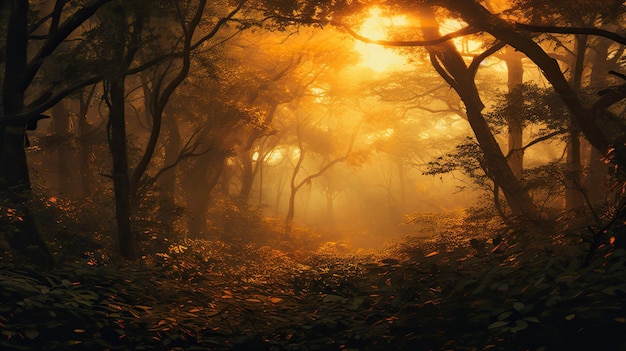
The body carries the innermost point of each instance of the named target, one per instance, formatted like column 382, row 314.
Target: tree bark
column 116, row 129
column 515, row 125
column 167, row 181
column 85, row 144
column 15, row 187
column 573, row 171
column 60, row 126
column 247, row 176
column 574, row 199
column 121, row 181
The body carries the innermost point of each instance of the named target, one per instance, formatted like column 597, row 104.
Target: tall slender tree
column 23, row 104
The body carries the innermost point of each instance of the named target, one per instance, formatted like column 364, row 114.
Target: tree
column 113, row 47
column 313, row 137
column 450, row 65
column 169, row 75
column 573, row 54
column 25, row 98
column 592, row 121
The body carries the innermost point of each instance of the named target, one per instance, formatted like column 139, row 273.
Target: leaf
column 518, row 306
column 519, row 325
column 619, row 253
column 431, row 254
column 330, row 298
column 532, row 319
column 275, row 299
column 8, row 333
column 31, row 333
column 620, row 320
column 569, row 317
column 79, row 330
column 498, row 324
column 504, row 315
column 552, row 301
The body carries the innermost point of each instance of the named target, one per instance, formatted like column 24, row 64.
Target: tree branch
column 57, row 37
column 535, row 141
column 459, row 33
column 572, row 30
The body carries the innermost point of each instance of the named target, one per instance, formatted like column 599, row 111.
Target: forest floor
column 208, row 295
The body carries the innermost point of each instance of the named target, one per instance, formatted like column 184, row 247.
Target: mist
column 322, row 175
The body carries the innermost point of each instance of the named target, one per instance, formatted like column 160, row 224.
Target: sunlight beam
column 377, row 57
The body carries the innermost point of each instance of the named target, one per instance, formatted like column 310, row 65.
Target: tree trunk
column 198, row 184
column 167, row 181
column 515, row 125
column 594, row 181
column 60, row 126
column 457, row 74
column 574, row 199
column 15, row 187
column 247, row 177
column 291, row 209
column 116, row 130
column 249, row 171
column 573, row 171
column 85, row 143
column 121, row 183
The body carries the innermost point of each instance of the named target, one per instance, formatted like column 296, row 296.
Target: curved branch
column 179, row 54
column 443, row 72
column 572, row 30
column 536, row 141
column 459, row 33
column 55, row 39
column 473, row 67
column 160, row 101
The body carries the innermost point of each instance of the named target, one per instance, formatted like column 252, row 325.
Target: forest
column 312, row 175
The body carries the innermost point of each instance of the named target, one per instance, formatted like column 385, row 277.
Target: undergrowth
column 463, row 288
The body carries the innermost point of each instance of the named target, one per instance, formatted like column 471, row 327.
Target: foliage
column 201, row 294
column 529, row 104
column 467, row 157
column 76, row 231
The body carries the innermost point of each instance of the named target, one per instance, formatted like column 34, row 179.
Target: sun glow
column 272, row 158
column 377, row 57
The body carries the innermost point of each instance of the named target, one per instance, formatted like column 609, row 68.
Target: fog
column 312, row 175
column 348, row 127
